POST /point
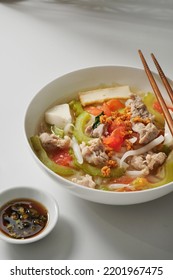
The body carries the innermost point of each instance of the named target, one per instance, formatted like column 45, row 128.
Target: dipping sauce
column 23, row 218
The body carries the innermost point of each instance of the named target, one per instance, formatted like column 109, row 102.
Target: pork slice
column 96, row 132
column 138, row 162
column 154, row 160
column 52, row 141
column 148, row 162
column 94, row 152
column 137, row 107
column 147, row 133
column 85, row 180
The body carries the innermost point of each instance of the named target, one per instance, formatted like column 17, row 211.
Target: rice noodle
column 133, row 140
column 135, row 173
column 68, row 128
column 77, row 150
column 142, row 150
column 124, row 164
column 117, row 186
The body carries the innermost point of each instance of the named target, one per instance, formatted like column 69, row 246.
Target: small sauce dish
column 27, row 214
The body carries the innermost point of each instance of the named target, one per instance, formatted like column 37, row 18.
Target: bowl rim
column 49, row 227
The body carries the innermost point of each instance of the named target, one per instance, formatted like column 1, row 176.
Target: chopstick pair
column 156, row 90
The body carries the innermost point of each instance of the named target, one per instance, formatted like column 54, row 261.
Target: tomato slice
column 157, row 107
column 112, row 126
column 114, row 142
column 116, row 139
column 115, row 104
column 93, row 110
column 124, row 180
column 61, row 157
column 106, row 109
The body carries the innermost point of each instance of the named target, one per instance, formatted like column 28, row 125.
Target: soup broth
column 23, row 218
column 110, row 138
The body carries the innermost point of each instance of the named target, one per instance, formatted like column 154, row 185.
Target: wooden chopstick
column 163, row 77
column 156, row 90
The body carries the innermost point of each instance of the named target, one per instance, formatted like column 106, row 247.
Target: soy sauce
column 23, row 218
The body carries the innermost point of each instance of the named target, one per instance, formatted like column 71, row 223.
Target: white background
column 41, row 40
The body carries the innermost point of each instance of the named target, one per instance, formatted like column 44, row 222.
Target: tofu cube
column 58, row 115
column 103, row 94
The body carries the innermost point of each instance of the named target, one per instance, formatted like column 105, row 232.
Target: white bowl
column 35, row 194
column 66, row 88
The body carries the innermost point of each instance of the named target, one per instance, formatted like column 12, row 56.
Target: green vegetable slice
column 57, row 131
column 80, row 123
column 42, row 155
column 76, row 107
column 148, row 100
column 95, row 171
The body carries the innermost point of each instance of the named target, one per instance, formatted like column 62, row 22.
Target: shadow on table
column 132, row 231
column 57, row 245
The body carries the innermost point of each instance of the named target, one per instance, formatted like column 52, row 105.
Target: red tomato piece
column 62, row 157
column 93, row 110
column 113, row 142
column 115, row 139
column 119, row 131
column 115, row 104
column 115, row 126
column 157, row 107
column 106, row 110
column 124, row 180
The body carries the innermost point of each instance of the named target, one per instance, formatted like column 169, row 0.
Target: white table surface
column 41, row 40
